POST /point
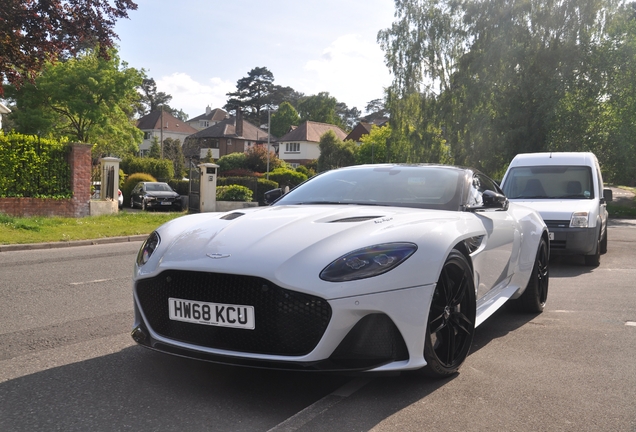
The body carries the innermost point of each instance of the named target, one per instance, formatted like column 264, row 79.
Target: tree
column 285, row 117
column 151, row 100
column 35, row 33
column 253, row 94
column 373, row 147
column 172, row 150
column 85, row 99
column 375, row 109
column 155, row 149
column 334, row 153
column 256, row 159
column 319, row 108
column 349, row 117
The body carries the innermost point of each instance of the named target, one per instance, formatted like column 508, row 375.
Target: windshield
column 431, row 187
column 549, row 182
column 158, row 187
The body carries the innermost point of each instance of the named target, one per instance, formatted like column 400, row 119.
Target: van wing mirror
column 272, row 195
column 608, row 195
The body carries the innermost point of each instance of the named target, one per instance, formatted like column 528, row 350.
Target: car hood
column 162, row 194
column 551, row 209
column 291, row 245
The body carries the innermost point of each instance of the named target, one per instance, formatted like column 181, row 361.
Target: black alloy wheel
column 451, row 320
column 535, row 295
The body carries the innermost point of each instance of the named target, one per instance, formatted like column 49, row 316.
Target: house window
column 229, row 141
column 292, row 148
column 147, row 135
column 294, row 165
column 204, row 123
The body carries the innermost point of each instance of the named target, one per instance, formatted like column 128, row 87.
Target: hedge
column 161, row 169
column 233, row 193
column 34, row 167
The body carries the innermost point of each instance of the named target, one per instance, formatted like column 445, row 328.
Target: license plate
column 166, row 203
column 216, row 314
column 551, row 235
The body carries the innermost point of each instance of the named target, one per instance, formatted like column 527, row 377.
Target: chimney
column 208, row 110
column 238, row 128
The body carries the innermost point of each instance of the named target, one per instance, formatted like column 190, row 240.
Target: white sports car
column 365, row 268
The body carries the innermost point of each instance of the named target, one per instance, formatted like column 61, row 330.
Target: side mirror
column 272, row 195
column 608, row 195
column 494, row 200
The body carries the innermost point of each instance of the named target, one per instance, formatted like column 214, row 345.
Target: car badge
column 218, row 255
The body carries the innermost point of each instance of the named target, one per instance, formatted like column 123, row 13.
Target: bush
column 132, row 181
column 287, row 177
column 240, row 172
column 34, row 167
column 233, row 193
column 231, row 161
column 182, row 187
column 162, row 169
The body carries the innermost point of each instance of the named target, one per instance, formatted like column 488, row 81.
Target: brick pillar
column 80, row 162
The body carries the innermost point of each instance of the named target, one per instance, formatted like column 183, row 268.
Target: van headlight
column 579, row 220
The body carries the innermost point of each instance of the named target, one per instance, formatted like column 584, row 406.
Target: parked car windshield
column 549, row 182
column 158, row 187
column 433, row 187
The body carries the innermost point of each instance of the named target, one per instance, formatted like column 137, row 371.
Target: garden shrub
column 287, row 177
column 182, row 187
column 233, row 193
column 231, row 161
column 161, row 169
column 132, row 181
column 36, row 167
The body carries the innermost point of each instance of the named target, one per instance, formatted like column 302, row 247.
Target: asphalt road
column 67, row 361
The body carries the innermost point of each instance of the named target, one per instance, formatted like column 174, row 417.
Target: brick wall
column 80, row 162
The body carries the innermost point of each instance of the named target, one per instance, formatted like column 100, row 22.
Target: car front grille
column 286, row 322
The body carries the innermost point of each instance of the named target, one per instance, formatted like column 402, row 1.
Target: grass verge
column 19, row 230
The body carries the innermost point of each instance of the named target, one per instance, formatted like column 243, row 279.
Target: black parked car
column 152, row 195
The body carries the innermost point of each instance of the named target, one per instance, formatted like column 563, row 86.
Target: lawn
column 18, row 230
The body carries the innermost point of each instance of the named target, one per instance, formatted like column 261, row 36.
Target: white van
column 567, row 190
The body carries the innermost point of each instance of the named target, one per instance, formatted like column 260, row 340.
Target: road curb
column 59, row 245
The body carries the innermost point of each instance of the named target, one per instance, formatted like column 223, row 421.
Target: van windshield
column 549, row 182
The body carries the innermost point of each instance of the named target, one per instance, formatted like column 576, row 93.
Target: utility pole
column 161, row 133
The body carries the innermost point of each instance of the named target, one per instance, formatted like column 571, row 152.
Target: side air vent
column 473, row 243
column 355, row 219
column 232, row 216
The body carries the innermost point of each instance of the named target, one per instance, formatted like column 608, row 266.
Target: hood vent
column 232, row 216
column 356, row 219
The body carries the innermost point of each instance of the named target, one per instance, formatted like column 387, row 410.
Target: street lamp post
column 269, row 124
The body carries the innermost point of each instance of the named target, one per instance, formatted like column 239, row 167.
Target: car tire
column 451, row 319
column 594, row 260
column 535, row 295
column 604, row 243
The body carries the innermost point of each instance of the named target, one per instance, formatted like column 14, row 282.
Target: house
column 3, row 110
column 160, row 125
column 364, row 128
column 210, row 118
column 227, row 136
column 301, row 144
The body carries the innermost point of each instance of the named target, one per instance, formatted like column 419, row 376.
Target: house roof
column 227, row 129
column 312, row 131
column 216, row 115
column 4, row 109
column 156, row 119
column 361, row 128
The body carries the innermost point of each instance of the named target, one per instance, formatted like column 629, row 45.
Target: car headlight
column 368, row 262
column 579, row 220
column 148, row 248
column 150, row 198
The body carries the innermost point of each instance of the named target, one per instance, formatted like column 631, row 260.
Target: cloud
column 352, row 70
column 192, row 96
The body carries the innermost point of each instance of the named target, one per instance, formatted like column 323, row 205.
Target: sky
column 197, row 50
